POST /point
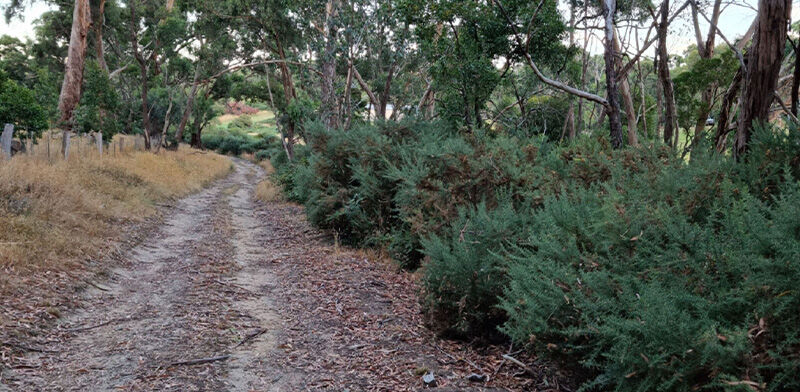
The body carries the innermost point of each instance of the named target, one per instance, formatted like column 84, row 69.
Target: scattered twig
column 232, row 285
column 519, row 363
column 251, row 336
column 500, row 366
column 200, row 361
column 473, row 364
column 26, row 348
column 79, row 329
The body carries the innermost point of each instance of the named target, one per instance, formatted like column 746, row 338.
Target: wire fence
column 82, row 146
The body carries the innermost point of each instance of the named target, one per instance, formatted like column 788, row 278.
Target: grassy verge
column 59, row 216
column 266, row 190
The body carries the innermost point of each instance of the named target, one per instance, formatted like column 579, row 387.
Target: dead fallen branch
column 200, row 361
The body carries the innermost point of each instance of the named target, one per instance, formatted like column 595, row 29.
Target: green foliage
column 650, row 272
column 18, row 106
column 349, row 192
column 661, row 275
column 465, row 276
column 99, row 103
column 239, row 138
column 242, row 122
column 698, row 75
column 462, row 54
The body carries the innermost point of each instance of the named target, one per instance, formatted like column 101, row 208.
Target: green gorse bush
column 647, row 271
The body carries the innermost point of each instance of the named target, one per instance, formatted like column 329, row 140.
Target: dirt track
column 263, row 302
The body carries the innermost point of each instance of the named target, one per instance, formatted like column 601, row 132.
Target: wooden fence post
column 99, row 140
column 67, row 137
column 5, row 141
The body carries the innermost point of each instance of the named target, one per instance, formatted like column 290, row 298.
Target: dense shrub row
column 235, row 141
column 650, row 272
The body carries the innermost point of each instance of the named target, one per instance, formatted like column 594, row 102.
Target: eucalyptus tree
column 381, row 51
column 73, row 74
column 157, row 32
column 463, row 40
column 763, row 67
column 268, row 32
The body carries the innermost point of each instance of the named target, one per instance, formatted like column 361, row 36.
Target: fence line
column 81, row 146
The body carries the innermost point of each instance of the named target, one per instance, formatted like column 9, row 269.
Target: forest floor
column 231, row 294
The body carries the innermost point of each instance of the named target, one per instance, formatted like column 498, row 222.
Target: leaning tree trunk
column 763, row 67
column 289, row 94
column 627, row 98
column 73, row 74
column 670, row 113
column 725, row 111
column 615, row 124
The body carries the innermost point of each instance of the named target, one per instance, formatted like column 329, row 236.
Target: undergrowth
column 646, row 271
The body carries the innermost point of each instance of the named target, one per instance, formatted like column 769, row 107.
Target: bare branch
column 553, row 83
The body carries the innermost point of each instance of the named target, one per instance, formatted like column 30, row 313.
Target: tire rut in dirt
column 176, row 298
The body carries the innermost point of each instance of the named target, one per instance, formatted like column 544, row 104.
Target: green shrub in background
column 243, row 122
column 650, row 272
column 238, row 139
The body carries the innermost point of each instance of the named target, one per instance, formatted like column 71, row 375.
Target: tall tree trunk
column 659, row 98
column 142, row 73
column 163, row 135
column 584, row 65
column 645, row 130
column 269, row 87
column 98, row 36
column 569, row 122
column 627, row 97
column 145, row 106
column 189, row 108
column 615, row 124
column 670, row 113
column 196, row 140
column 348, row 96
column 796, row 78
column 387, row 86
column 73, row 74
column 287, row 132
column 763, row 67
column 706, row 51
column 329, row 113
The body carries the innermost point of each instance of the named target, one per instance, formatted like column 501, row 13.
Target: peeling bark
column 763, row 67
column 71, row 88
column 615, row 124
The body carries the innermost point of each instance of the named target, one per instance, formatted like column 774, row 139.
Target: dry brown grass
column 266, row 191
column 56, row 214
